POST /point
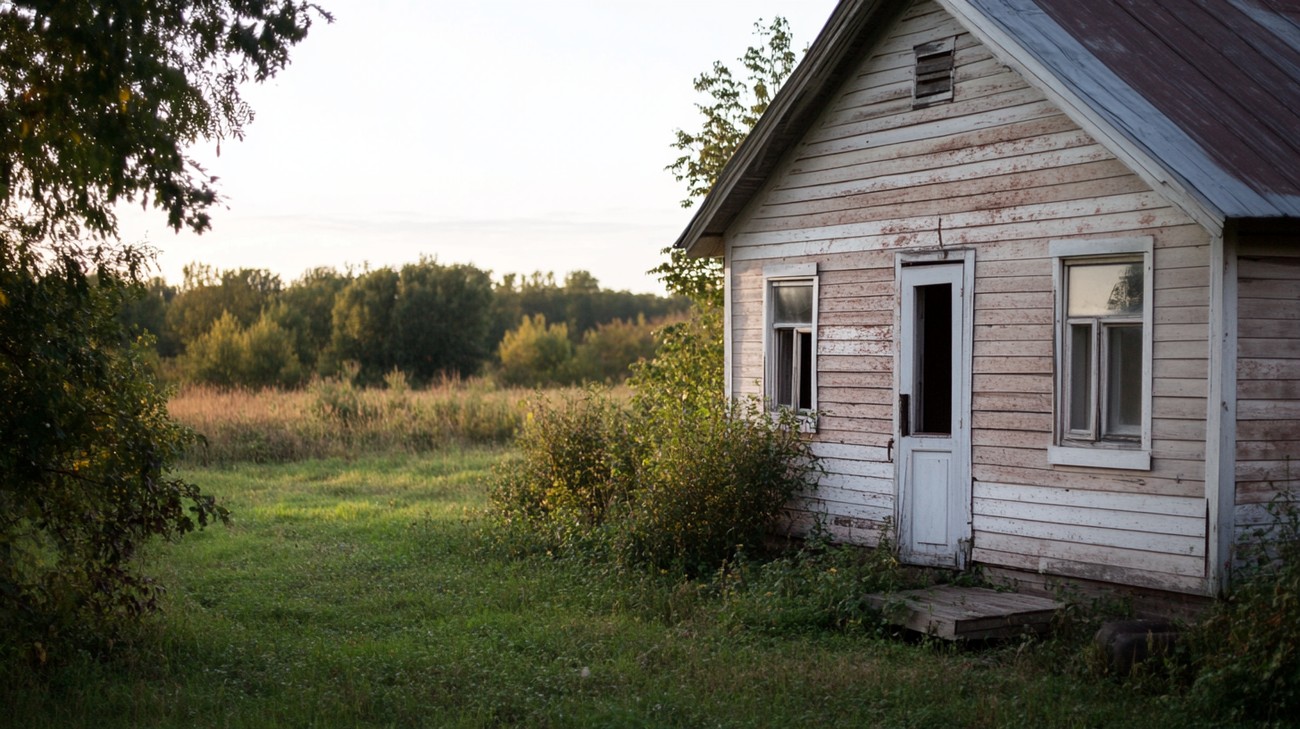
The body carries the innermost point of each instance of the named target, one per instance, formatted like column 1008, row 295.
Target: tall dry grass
column 332, row 418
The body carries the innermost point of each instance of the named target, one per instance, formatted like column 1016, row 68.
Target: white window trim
column 789, row 272
column 1102, row 454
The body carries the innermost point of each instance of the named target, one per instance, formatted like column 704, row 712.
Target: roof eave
column 792, row 111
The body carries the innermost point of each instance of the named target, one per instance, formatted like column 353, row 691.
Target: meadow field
column 361, row 583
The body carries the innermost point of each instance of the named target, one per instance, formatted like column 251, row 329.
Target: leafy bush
column 85, row 445
column 576, row 458
column 709, row 483
column 682, row 493
column 1247, row 652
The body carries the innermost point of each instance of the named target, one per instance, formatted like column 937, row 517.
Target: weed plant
column 1245, row 656
column 333, row 418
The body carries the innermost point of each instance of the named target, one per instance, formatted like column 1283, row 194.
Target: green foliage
column 681, row 491
column 685, row 377
column 363, row 313
column 102, row 102
column 206, row 296
column 230, row 355
column 305, row 309
column 704, row 477
column 819, row 586
column 1246, row 653
column 734, row 108
column 429, row 320
column 576, row 459
column 144, row 313
column 535, row 353
column 608, row 352
column 440, row 320
column 84, row 450
column 710, row 482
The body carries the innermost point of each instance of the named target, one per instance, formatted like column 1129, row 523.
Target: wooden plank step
column 966, row 613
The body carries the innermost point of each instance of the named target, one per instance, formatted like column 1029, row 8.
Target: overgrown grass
column 367, row 593
column 334, row 419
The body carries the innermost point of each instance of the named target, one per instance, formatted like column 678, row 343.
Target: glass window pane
column 793, row 302
column 805, row 370
column 1080, row 378
column 1123, row 380
column 1105, row 289
column 783, row 368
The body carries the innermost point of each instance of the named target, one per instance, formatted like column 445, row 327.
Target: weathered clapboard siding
column 1001, row 170
column 1268, row 383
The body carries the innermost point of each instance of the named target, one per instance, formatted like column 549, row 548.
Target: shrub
column 710, row 482
column 85, row 450
column 682, row 493
column 576, row 459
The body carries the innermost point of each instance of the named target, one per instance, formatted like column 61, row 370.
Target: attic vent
column 933, row 79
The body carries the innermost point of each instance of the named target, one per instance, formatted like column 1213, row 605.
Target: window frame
column 775, row 276
column 1093, row 446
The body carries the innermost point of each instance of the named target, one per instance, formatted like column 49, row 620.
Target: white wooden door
column 934, row 491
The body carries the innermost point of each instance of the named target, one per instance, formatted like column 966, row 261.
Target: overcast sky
column 517, row 135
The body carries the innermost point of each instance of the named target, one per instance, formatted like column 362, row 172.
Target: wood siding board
column 1094, row 494
column 1096, row 572
column 1027, row 183
column 1159, row 482
column 1102, row 556
column 1086, row 537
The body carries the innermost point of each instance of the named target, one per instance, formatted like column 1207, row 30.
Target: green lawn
column 365, row 594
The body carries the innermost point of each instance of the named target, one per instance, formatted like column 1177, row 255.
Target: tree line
column 246, row 327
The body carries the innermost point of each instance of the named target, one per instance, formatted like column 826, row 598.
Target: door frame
column 961, row 518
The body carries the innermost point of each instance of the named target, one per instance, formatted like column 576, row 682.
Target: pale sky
column 516, row 135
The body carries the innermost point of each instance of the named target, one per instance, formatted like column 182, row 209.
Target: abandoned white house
column 1031, row 270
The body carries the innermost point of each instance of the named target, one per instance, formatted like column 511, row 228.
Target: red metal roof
column 1208, row 90
column 1225, row 72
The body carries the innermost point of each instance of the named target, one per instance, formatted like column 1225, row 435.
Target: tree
column 305, row 309
column 441, row 319
column 535, row 353
column 232, row 355
column 145, row 313
column 734, row 108
column 608, row 351
column 101, row 100
column 362, row 318
column 206, row 295
column 99, row 103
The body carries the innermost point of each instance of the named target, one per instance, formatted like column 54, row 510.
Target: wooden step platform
column 966, row 613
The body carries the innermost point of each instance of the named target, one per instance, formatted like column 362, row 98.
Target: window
column 932, row 76
column 1103, row 393
column 791, row 304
